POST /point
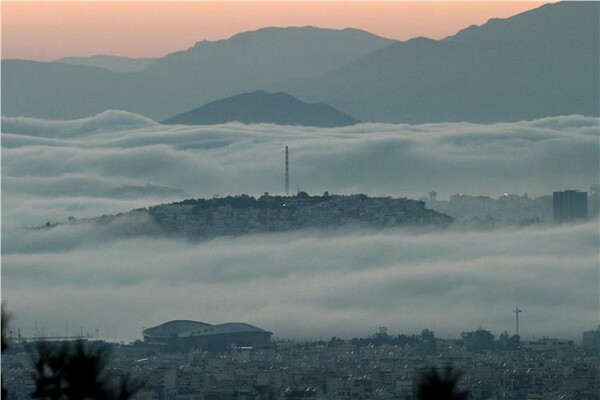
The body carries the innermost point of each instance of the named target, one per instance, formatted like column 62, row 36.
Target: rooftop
column 183, row 328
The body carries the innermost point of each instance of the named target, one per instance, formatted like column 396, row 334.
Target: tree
column 433, row 385
column 4, row 323
column 381, row 336
column 76, row 372
column 507, row 342
column 428, row 343
column 479, row 340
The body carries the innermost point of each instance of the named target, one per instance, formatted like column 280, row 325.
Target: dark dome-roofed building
column 182, row 333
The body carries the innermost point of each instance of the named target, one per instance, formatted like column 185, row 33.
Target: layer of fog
column 308, row 284
column 302, row 284
column 55, row 169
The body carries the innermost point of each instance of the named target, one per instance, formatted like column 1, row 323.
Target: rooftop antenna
column 517, row 312
column 287, row 172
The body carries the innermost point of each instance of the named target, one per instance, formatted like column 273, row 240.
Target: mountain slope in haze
column 262, row 107
column 543, row 62
column 61, row 91
column 271, row 55
column 270, row 59
column 111, row 63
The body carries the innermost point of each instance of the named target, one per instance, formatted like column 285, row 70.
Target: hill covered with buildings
column 238, row 215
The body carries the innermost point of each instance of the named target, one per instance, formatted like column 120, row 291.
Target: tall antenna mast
column 517, row 312
column 287, row 172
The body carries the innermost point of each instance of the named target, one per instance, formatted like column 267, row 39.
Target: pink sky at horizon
column 46, row 31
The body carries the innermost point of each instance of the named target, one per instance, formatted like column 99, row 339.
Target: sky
column 50, row 30
column 304, row 284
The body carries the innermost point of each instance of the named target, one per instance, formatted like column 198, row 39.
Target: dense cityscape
column 381, row 366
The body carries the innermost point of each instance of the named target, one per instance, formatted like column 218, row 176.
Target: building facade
column 569, row 205
column 190, row 334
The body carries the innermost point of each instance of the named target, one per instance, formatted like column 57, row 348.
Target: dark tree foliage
column 433, row 385
column 428, row 343
column 76, row 372
column 479, row 340
column 3, row 326
column 244, row 201
column 425, row 343
column 508, row 343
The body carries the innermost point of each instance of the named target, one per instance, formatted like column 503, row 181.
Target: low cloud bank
column 309, row 284
column 300, row 284
column 40, row 162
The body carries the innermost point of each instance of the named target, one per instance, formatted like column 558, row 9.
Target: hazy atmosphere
column 53, row 169
column 300, row 200
column 37, row 30
column 348, row 282
column 310, row 284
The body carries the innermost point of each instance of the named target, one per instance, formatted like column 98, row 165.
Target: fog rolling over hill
column 301, row 283
column 307, row 283
column 111, row 63
column 55, row 169
column 262, row 107
column 242, row 215
column 269, row 59
column 540, row 63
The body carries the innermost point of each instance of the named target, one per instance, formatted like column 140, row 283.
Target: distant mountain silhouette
column 543, row 62
column 269, row 59
column 111, row 63
column 262, row 107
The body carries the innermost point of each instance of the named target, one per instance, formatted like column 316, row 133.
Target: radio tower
column 287, row 172
column 517, row 312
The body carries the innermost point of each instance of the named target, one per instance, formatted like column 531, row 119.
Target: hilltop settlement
column 243, row 214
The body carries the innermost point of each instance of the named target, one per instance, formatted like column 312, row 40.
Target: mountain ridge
column 539, row 63
column 182, row 80
column 109, row 62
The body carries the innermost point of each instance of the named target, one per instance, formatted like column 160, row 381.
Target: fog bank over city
column 55, row 169
column 304, row 284
column 309, row 284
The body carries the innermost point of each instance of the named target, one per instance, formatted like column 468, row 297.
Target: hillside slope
column 262, row 107
column 269, row 59
column 544, row 62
